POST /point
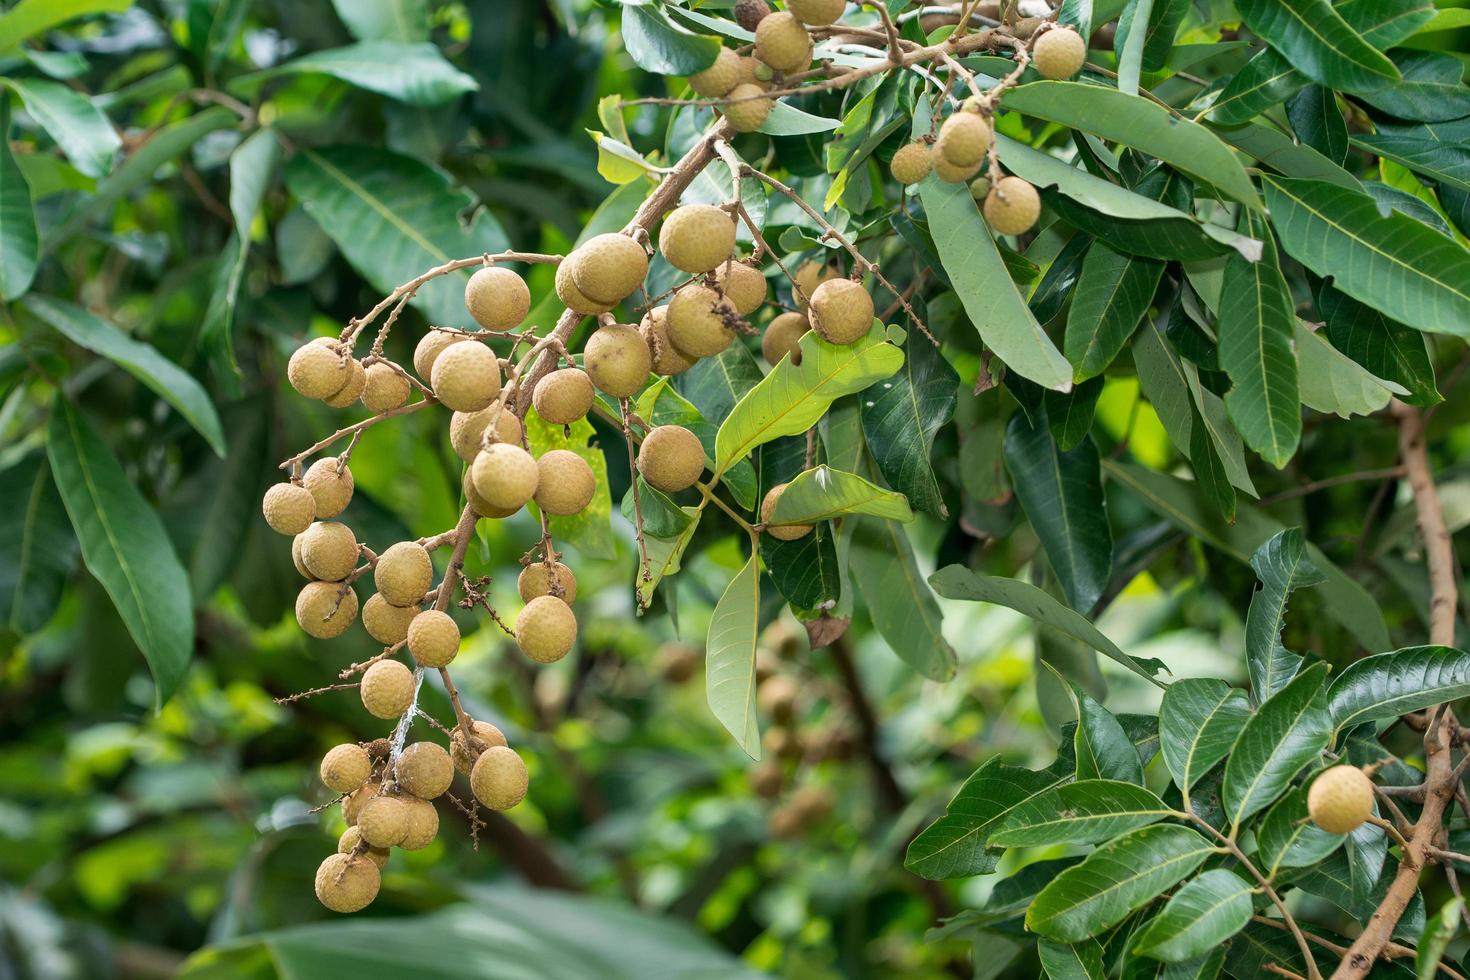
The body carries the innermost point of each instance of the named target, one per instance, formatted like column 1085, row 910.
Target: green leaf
column 1438, row 933
column 664, row 556
column 393, row 217
column 124, row 546
column 1206, row 967
column 1072, row 961
column 1391, row 684
column 1209, row 467
column 1332, row 383
column 1201, row 915
column 658, row 45
column 1432, row 90
column 1283, row 567
column 1085, row 812
column 822, row 493
column 1103, row 749
column 1199, row 720
column 1318, row 43
column 165, row 378
column 1277, row 150
column 1318, row 122
column 31, row 17
column 1287, row 732
column 1061, row 493
column 1392, row 263
column 404, row 21
column 897, row 599
column 1112, row 295
column 1268, row 79
column 1128, row 43
column 788, row 120
column 20, row 247
column 590, row 529
column 252, row 166
column 1436, row 150
column 1136, row 122
column 81, row 129
column 1286, row 838
column 954, row 846
column 900, row 418
column 416, row 74
column 715, row 384
column 1115, row 879
column 1384, row 347
column 791, row 399
column 734, row 628
column 36, row 540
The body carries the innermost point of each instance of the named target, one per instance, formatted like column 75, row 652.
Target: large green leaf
column 1432, row 89
column 1384, row 347
column 124, row 545
column 31, row 17
column 1115, row 879
column 664, row 556
column 252, row 166
column 955, row 845
column 658, row 45
column 20, row 247
column 1113, row 293
column 1085, row 812
column 590, row 529
column 1283, row 567
column 822, row 493
column 734, row 629
column 1101, row 746
column 1318, row 42
column 385, row 20
column 1392, row 684
column 1333, row 383
column 1287, row 732
column 1318, row 122
column 393, row 217
column 417, row 74
column 1287, row 838
column 1280, row 152
column 1072, row 961
column 1201, row 915
column 1199, row 720
column 897, row 599
column 80, row 128
column 37, row 543
column 1437, row 150
column 900, row 419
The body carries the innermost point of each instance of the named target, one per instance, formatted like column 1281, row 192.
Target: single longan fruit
column 505, row 476
column 765, row 779
column 352, row 837
column 1340, row 799
column 785, row 638
column 347, row 882
column 330, row 483
column 384, row 388
column 535, row 580
column 1012, row 206
column 357, row 799
column 782, row 743
column 296, row 557
column 385, row 622
column 386, row 689
column 497, row 298
column 697, row 320
column 325, row 609
column 749, row 13
column 566, row 482
column 746, row 106
column 571, row 297
column 782, row 337
column 697, row 237
column 467, row 377
column 352, row 388
column 423, row 824
column 952, row 173
column 499, row 778
column 479, row 504
column 433, row 638
column 785, row 822
column 607, row 268
column 911, row 163
column 319, row 369
column 671, row 458
column 430, row 346
column 721, row 76
column 562, row 397
column 1059, row 53
column 546, row 629
column 617, row 360
column 781, row 532
column 817, row 13
column 425, row 770
column 329, row 551
column 809, row 276
column 842, row 311
column 677, row 662
column 783, row 43
column 467, row 430
column 964, row 138
column 743, row 285
column 979, row 187
column 776, row 697
column 403, row 573
column 288, row 508
column 667, row 359
column 383, row 821
column 345, row 767
column 464, row 755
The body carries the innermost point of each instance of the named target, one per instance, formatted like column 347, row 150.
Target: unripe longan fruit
column 786, row 532
column 697, row 237
column 423, row 824
column 721, row 76
column 1012, row 206
column 386, row 689
column 403, row 574
column 566, row 482
column 782, row 337
column 808, row 277
column 430, row 346
column 464, row 755
column 499, row 778
column 467, row 430
column 467, row 377
column 288, row 508
column 964, row 138
column 783, row 43
column 329, row 551
column 776, row 697
column 952, row 173
column 671, row 458
column 433, row 638
column 743, row 285
column 330, row 483
column 562, row 397
column 571, row 297
column 979, row 187
column 696, row 321
column 1059, row 53
column 351, row 837
column 1340, row 799
column 385, row 622
column 384, row 388
column 749, row 13
column 617, row 360
column 817, row 13
column 347, row 882
column 841, row 311
column 318, row 369
column 383, row 821
column 357, row 799
column 479, row 504
column 535, row 580
column 325, row 609
column 666, row 358
column 505, row 476
column 345, row 767
column 352, row 388
column 746, row 106
column 608, row 267
column 911, row 163
column 425, row 770
column 546, row 629
column 497, row 298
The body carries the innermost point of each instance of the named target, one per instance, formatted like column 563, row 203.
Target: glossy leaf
column 416, row 74
column 898, row 600
column 1198, row 917
column 658, row 45
column 1318, row 122
column 1333, row 383
column 1436, row 150
column 1283, row 567
column 954, row 846
column 1112, row 295
column 1432, row 90
column 29, row 18
column 1287, row 732
column 1072, row 961
column 1102, row 748
column 1439, row 932
column 1085, row 812
column 81, row 129
column 734, row 628
column 37, row 542
column 405, row 21
column 1287, row 838
column 1199, row 720
column 900, row 417
column 1384, row 347
column 1318, row 43
column 822, row 493
column 1391, row 684
column 20, row 246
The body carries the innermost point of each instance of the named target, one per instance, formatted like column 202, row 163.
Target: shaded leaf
column 1318, row 42
column 1199, row 720
column 954, row 846
column 898, row 600
column 36, row 541
column 1287, row 838
column 1282, row 565
column 417, row 74
column 1072, row 961
column 901, row 416
column 734, row 629
column 1391, row 684
column 1112, row 295
column 20, row 246
column 1287, row 732
column 1102, row 748
column 1318, row 122
column 1201, row 915
column 1383, row 347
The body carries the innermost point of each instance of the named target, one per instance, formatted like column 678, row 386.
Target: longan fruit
column 464, row 755
column 697, row 321
column 1012, row 206
column 329, row 482
column 1340, row 799
column 563, row 396
column 667, row 359
column 617, row 360
column 964, row 139
column 746, row 106
column 479, row 504
column 841, row 311
column 677, row 662
column 814, row 803
column 433, row 638
column 817, row 13
column 952, row 173
column 385, row 622
column 571, row 297
column 347, row 882
column 765, row 779
column 288, row 508
column 425, row 770
column 345, row 767
column 546, row 629
column 499, row 778
column 467, row 377
column 979, row 187
column 749, row 13
column 671, row 458
column 782, row 337
column 535, row 580
column 721, row 76
column 783, row 43
column 351, row 389
column 781, row 532
column 325, row 609
column 386, row 689
column 497, row 298
column 785, row 822
column 423, row 824
column 383, row 821
column 329, row 551
column 296, row 557
column 404, row 573
column 384, row 388
column 358, row 798
column 467, row 430
column 607, row 268
column 776, row 697
column 743, row 285
column 809, row 275
column 1059, row 53
column 352, row 837
column 505, row 476
column 697, row 237
column 911, row 163
column 429, row 347
column 318, row 369
column 565, row 484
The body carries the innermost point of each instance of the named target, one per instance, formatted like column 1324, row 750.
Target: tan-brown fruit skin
column 817, row 13
column 383, row 821
column 535, row 580
column 430, row 346
column 433, row 638
column 546, row 629
column 467, row 377
column 721, row 76
column 696, row 321
column 765, row 779
column 352, row 806
column 911, row 163
column 743, row 285
column 666, row 358
column 1012, row 206
column 563, row 397
column 329, row 551
column 677, row 662
column 952, row 173
column 788, row 532
column 349, row 840
column 964, row 138
column 776, row 697
column 467, row 430
column 749, row 13
column 481, row 506
column 1340, row 799
column 296, row 557
column 423, row 824
column 783, row 336
column 697, row 237
column 385, row 622
column 747, row 107
column 617, row 360
column 1059, row 53
column 345, row 767
column 783, row 43
column 505, row 476
column 841, row 311
column 671, row 458
column 384, row 389
column 330, row 484
column 320, row 614
column 425, row 770
column 808, row 277
column 814, row 803
column 571, row 298
column 497, row 298
column 566, row 483
column 347, row 882
column 386, row 689
column 464, row 756
column 403, row 573
column 351, row 389
column 607, row 268
column 288, row 508
column 318, row 370
column 499, row 778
